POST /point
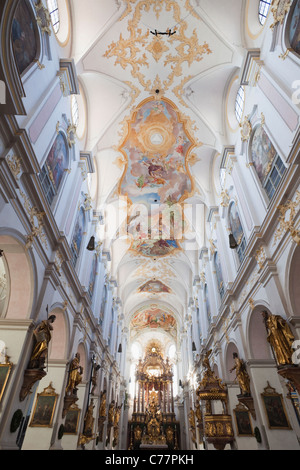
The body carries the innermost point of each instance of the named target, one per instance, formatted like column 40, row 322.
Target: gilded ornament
column 279, row 9
column 286, row 219
column 43, row 18
column 14, row 164
column 280, row 337
column 35, row 218
column 246, row 129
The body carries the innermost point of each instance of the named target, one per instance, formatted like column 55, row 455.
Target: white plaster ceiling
column 111, row 44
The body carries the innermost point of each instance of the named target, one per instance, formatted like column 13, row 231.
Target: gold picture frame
column 243, row 421
column 72, row 420
column 274, row 408
column 5, row 370
column 44, row 408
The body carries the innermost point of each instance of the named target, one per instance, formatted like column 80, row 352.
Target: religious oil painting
column 78, row 232
column 5, row 370
column 235, row 222
column 156, row 175
column 93, row 276
column 274, row 408
column 294, row 28
column 207, row 303
column 57, row 160
column 154, row 286
column 23, row 36
column 72, row 420
column 44, row 408
column 243, row 421
column 263, row 153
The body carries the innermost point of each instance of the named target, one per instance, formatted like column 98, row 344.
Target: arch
column 254, row 27
column 229, row 361
column 20, row 273
column 257, row 336
column 59, row 341
column 83, row 359
column 54, row 169
column 239, row 104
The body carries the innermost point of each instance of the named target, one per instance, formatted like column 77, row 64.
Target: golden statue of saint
column 192, row 419
column 241, row 375
column 280, row 338
column 111, row 412
column 89, row 420
column 42, row 335
column 75, row 375
column 102, row 408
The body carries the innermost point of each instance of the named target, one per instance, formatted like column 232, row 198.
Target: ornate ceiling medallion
column 157, row 47
column 177, row 51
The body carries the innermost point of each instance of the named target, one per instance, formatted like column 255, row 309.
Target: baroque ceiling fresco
column 157, row 71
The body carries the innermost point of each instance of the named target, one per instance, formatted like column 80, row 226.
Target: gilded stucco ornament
column 279, row 9
column 14, row 163
column 43, row 18
column 36, row 222
column 287, row 219
column 246, row 129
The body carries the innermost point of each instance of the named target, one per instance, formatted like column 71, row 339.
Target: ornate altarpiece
column 153, row 423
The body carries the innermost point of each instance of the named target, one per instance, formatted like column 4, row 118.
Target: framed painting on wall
column 72, row 420
column 44, row 408
column 274, row 408
column 5, row 370
column 243, row 421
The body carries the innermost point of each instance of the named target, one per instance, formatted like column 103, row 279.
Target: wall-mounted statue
column 241, row 375
column 75, row 375
column 280, row 338
column 42, row 336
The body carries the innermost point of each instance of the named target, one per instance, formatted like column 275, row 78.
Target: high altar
column 153, row 423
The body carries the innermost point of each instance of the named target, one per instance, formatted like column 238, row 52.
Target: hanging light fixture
column 232, row 242
column 91, row 244
column 120, row 348
column 194, row 347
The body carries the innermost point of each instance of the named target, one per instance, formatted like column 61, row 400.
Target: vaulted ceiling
column 146, row 91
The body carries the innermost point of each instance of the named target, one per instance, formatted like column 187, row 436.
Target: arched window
column 24, row 36
column 266, row 161
column 237, row 230
column 263, row 10
column 294, row 28
column 54, row 168
column 54, row 14
column 78, row 235
column 74, row 110
column 239, row 103
column 219, row 275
